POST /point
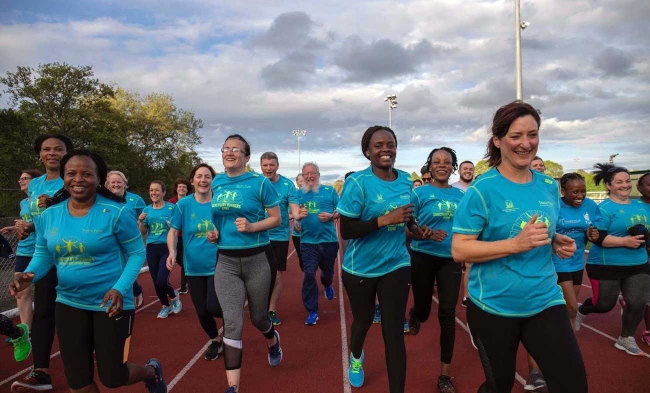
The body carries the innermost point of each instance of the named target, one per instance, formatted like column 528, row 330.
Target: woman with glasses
column 618, row 261
column 244, row 272
column 25, row 249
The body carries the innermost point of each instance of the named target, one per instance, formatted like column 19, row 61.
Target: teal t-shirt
column 27, row 245
column 435, row 207
column 293, row 228
column 135, row 203
column 195, row 220
column 157, row 223
column 494, row 208
column 88, row 253
column 313, row 230
column 247, row 195
column 364, row 197
column 287, row 192
column 37, row 187
column 617, row 219
column 574, row 222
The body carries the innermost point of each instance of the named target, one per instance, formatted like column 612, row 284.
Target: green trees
column 145, row 137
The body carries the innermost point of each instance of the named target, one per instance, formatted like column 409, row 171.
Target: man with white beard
column 318, row 240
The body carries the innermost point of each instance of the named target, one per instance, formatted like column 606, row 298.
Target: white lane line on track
column 606, row 335
column 518, row 377
column 18, row 374
column 345, row 362
column 196, row 357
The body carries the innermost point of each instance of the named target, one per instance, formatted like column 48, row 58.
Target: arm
column 172, row 243
column 273, row 220
column 626, row 241
column 352, row 228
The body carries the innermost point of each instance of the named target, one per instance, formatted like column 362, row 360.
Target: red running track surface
column 313, row 355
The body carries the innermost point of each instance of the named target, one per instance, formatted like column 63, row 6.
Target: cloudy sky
column 263, row 68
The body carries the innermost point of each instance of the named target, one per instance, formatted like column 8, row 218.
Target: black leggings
column 206, row 304
column 425, row 271
column 548, row 338
column 296, row 245
column 634, row 290
column 157, row 260
column 179, row 260
column 43, row 323
column 392, row 290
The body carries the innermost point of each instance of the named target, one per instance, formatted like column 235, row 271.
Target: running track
column 315, row 357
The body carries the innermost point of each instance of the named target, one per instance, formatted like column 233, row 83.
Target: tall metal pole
column 390, row 119
column 299, row 134
column 299, row 168
column 518, row 50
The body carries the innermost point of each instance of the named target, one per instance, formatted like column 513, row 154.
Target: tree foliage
column 481, row 167
column 553, row 169
column 145, row 137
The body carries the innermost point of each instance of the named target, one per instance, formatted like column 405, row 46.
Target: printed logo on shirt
column 380, row 198
column 312, row 207
column 523, row 219
column 71, row 251
column 587, row 219
column 393, row 227
column 203, row 227
column 157, row 228
column 548, row 181
column 545, row 203
column 445, row 209
column 192, row 216
column 510, row 207
column 227, row 199
column 638, row 219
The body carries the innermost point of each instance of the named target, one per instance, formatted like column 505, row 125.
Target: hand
column 634, row 241
column 20, row 282
column 592, row 234
column 42, row 199
column 243, row 225
column 563, row 246
column 534, row 234
column 296, row 225
column 324, row 216
column 421, row 232
column 398, row 216
column 213, row 236
column 7, row 230
column 438, row 235
column 116, row 302
column 142, row 217
column 171, row 261
column 23, row 229
column 303, row 212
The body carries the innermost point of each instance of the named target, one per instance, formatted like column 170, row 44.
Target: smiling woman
column 82, row 234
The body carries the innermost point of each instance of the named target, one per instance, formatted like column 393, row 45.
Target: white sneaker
column 579, row 318
column 138, row 300
column 628, row 344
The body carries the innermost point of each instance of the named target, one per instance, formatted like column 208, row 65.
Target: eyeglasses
column 25, row 178
column 426, row 179
column 232, row 149
column 304, row 174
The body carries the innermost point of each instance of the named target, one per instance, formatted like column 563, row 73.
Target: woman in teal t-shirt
column 505, row 226
column 618, row 262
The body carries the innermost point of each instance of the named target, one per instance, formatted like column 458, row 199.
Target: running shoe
column 445, row 385
column 273, row 316
column 407, row 328
column 414, row 326
column 579, row 318
column 164, row 312
column 8, row 340
column 329, row 292
column 355, row 371
column 621, row 301
column 157, row 383
column 463, row 302
column 138, row 300
column 535, row 382
column 231, row 389
column 36, row 381
column 377, row 317
column 645, row 337
column 213, row 351
column 275, row 352
column 22, row 345
column 177, row 306
column 311, row 318
column 628, row 344
column 183, row 291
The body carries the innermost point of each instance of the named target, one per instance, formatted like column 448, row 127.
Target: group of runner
column 514, row 233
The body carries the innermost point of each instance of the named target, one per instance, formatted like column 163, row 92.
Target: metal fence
column 7, row 269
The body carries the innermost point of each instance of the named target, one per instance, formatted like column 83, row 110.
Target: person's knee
column 446, row 316
column 114, row 376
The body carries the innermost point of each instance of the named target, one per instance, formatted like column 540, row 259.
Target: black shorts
column 21, row 263
column 576, row 277
column 81, row 332
column 281, row 252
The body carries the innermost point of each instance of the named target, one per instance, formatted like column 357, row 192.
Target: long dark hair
column 102, row 171
column 606, row 172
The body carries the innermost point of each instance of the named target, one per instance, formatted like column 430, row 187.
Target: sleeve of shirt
column 605, row 217
column 350, row 204
column 176, row 220
column 145, row 222
column 471, row 215
column 415, row 200
column 293, row 194
column 335, row 198
column 42, row 261
column 139, row 205
column 269, row 194
column 128, row 236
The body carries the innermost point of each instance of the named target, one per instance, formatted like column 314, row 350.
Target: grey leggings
column 235, row 280
column 634, row 290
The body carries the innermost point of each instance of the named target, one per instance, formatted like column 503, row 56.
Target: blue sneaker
column 275, row 352
column 157, row 383
column 377, row 317
column 311, row 318
column 164, row 312
column 177, row 306
column 329, row 292
column 355, row 371
column 407, row 328
column 231, row 390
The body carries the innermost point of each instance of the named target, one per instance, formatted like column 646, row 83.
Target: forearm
column 136, row 256
column 477, row 251
column 172, row 240
column 354, row 229
column 40, row 264
column 265, row 224
column 613, row 241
